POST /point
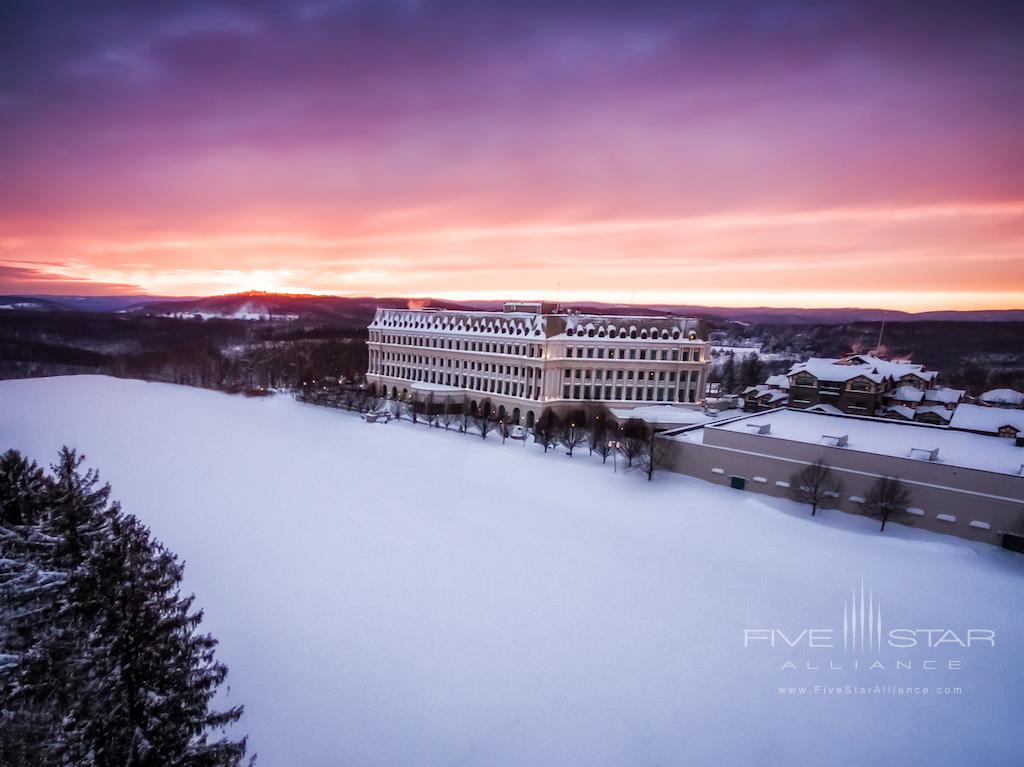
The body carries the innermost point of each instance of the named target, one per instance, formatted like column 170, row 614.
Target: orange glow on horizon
column 913, row 258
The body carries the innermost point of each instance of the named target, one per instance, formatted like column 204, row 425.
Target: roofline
column 502, row 313
column 941, row 427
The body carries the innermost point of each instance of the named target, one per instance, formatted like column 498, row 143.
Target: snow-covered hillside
column 394, row 594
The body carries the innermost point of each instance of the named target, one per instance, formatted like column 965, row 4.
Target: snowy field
column 397, row 595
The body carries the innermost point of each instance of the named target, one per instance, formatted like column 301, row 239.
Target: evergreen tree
column 751, row 370
column 729, row 374
column 152, row 675
column 101, row 660
column 28, row 602
column 79, row 512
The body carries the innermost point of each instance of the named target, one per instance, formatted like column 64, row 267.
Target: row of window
column 640, row 375
column 482, row 383
column 537, row 350
column 462, row 345
column 620, row 393
column 591, row 352
column 390, row 359
column 810, row 382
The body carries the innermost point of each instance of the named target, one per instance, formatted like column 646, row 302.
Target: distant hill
column 345, row 310
column 254, row 305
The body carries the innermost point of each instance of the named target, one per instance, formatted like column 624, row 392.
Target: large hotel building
column 531, row 357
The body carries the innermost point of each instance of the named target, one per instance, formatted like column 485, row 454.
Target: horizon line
column 484, row 298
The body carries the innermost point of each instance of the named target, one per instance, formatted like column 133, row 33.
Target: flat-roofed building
column 531, row 357
column 963, row 484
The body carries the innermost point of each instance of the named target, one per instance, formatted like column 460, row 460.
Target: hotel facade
column 530, row 358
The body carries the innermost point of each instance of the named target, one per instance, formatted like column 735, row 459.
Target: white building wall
column 534, row 361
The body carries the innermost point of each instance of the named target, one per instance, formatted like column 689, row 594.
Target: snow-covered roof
column 530, row 325
column 988, row 419
column 1002, row 397
column 827, row 409
column 873, row 368
column 906, row 394
column 779, row 381
column 669, row 415
column 944, row 395
column 523, row 325
column 764, row 391
column 902, row 411
column 425, row 386
column 622, row 327
column 894, row 368
column 940, row 410
column 882, row 437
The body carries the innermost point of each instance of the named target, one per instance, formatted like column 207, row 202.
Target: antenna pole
column 879, row 344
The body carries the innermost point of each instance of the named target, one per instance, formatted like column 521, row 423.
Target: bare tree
column 633, row 437
column 447, row 416
column 573, row 435
column 547, row 429
column 597, row 428
column 602, row 445
column 817, row 485
column 887, row 499
column 655, row 455
column 397, row 409
column 483, row 419
column 359, row 399
column 430, row 410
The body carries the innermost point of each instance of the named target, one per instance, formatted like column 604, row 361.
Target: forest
column 274, row 353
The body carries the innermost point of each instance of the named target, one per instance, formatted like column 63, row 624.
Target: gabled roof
column 765, row 392
column 874, row 369
column 937, row 410
column 906, row 394
column 987, row 419
column 831, row 370
column 1002, row 397
column 900, row 411
column 944, row 395
column 824, row 408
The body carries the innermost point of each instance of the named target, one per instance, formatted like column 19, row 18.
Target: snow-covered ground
column 393, row 594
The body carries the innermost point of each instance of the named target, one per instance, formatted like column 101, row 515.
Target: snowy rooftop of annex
column 882, row 437
column 670, row 415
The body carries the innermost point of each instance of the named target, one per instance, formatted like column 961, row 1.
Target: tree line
column 102, row 661
column 593, row 428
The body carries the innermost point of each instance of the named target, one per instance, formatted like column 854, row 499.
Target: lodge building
column 532, row 357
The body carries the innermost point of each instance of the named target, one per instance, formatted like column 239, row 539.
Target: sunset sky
column 725, row 153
